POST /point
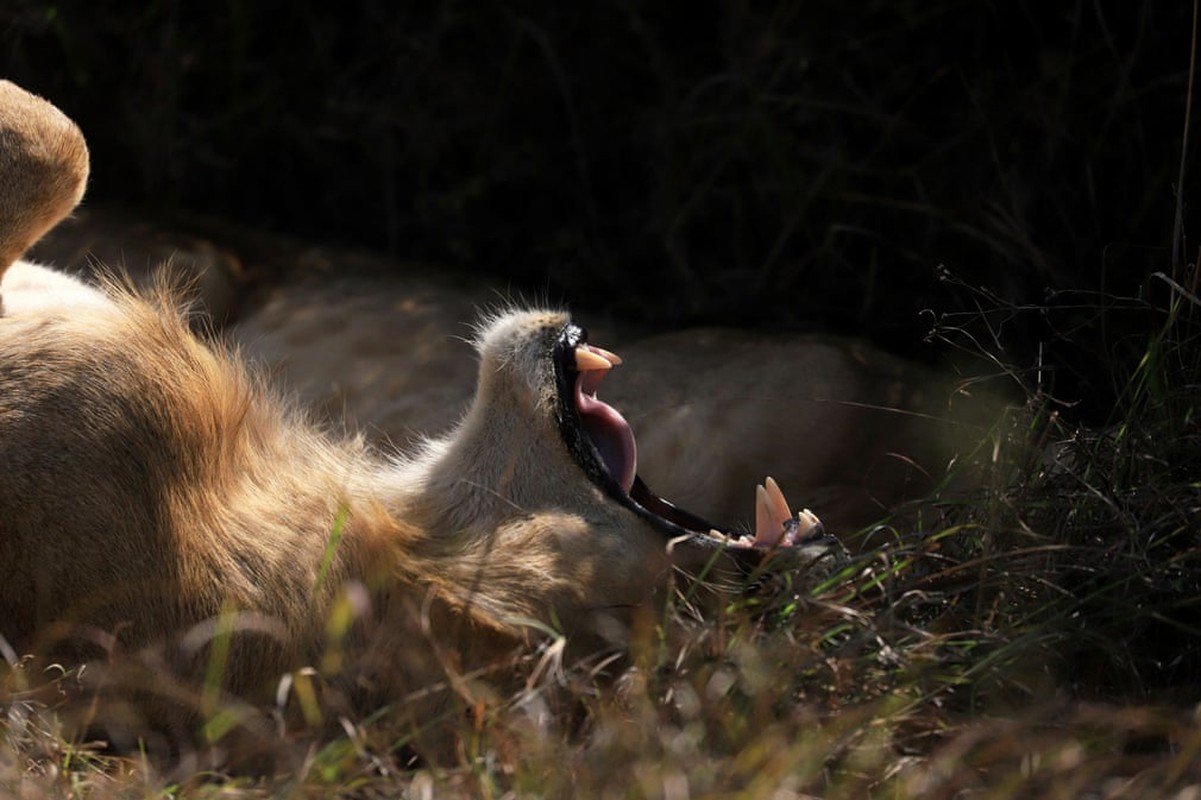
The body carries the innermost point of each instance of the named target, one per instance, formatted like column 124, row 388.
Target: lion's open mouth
column 603, row 444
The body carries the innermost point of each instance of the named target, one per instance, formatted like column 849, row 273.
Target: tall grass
column 1040, row 638
column 790, row 164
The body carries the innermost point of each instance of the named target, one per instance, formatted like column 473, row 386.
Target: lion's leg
column 43, row 170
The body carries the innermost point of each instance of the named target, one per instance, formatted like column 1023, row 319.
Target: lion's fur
column 43, row 169
column 152, row 490
column 149, row 483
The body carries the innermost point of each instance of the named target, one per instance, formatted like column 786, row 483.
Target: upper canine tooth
column 588, row 357
column 778, row 506
column 767, row 530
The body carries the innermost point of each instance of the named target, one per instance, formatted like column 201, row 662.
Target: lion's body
column 164, row 512
column 43, row 169
column 152, row 491
column 147, row 482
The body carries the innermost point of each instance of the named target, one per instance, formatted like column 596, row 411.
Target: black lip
column 663, row 515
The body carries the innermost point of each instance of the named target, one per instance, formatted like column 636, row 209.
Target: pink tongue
column 607, row 429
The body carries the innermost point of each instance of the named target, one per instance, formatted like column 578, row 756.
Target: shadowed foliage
column 783, row 164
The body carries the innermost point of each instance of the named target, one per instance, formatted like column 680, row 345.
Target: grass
column 790, row 166
column 1040, row 640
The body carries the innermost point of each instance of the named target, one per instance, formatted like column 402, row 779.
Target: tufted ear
column 43, row 169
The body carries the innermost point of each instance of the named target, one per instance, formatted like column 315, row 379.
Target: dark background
column 787, row 165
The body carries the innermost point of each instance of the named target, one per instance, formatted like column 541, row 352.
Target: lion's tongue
column 607, row 429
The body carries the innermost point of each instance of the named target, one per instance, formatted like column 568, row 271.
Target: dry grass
column 1039, row 640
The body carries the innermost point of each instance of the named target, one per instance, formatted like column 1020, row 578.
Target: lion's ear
column 43, row 169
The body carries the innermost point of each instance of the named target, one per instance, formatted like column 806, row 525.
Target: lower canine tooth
column 593, row 358
column 589, row 357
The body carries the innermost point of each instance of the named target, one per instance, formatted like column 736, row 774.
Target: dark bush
column 782, row 164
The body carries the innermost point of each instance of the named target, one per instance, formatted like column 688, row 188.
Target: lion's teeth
column 609, row 356
column 808, row 520
column 771, row 514
column 766, row 533
column 803, row 526
column 588, row 358
column 776, row 502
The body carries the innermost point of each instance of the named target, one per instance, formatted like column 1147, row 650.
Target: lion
column 157, row 498
column 856, row 431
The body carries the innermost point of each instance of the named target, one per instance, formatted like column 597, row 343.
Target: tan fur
column 94, row 241
column 152, row 491
column 147, row 485
column 43, row 169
